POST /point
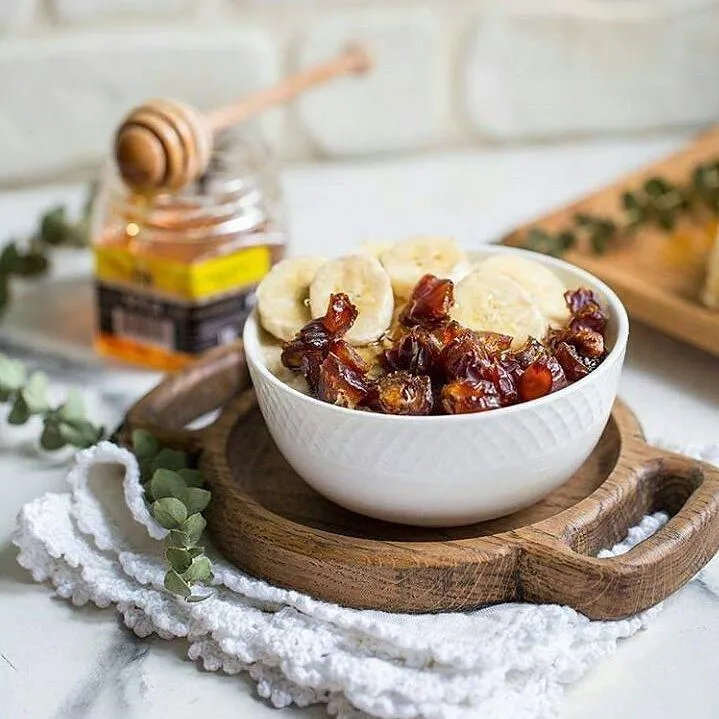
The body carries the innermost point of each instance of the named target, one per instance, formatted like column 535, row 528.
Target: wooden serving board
column 267, row 521
column 657, row 275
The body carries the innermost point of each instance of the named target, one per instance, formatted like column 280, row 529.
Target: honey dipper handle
column 354, row 60
column 182, row 397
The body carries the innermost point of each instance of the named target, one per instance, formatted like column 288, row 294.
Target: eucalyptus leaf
column 170, row 459
column 166, row 483
column 20, row 412
column 630, row 202
column 199, row 571
column 566, row 240
column 178, row 538
column 144, row 445
column 146, row 464
column 51, row 439
column 599, row 244
column 57, row 229
column 74, row 407
column 196, row 551
column 179, row 559
column 12, row 374
column 169, row 512
column 53, row 226
column 4, row 292
column 176, row 584
column 9, row 259
column 192, row 477
column 195, row 499
column 81, row 434
column 197, row 598
column 193, row 527
column 32, row 264
column 666, row 221
column 35, row 393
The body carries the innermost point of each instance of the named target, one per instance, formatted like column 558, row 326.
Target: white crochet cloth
column 503, row 662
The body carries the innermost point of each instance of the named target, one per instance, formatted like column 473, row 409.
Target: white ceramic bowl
column 445, row 470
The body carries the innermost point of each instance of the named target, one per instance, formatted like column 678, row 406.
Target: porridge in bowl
column 420, row 330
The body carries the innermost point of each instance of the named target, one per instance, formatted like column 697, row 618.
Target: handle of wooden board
column 558, row 567
column 182, row 397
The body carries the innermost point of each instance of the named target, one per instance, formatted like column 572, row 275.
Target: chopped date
column 591, row 363
column 578, row 300
column 588, row 343
column 340, row 316
column 589, row 319
column 509, row 363
column 530, row 352
column 315, row 335
column 559, row 379
column 432, row 364
column 404, row 393
column 312, row 339
column 554, row 336
column 494, row 343
column 503, row 380
column 461, row 355
column 292, row 354
column 348, row 356
column 310, row 367
column 571, row 362
column 339, row 384
column 464, row 396
column 312, row 343
column 450, row 330
column 536, row 381
column 430, row 302
column 586, row 311
column 417, row 351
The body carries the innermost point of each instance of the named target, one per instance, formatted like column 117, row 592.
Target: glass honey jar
column 175, row 272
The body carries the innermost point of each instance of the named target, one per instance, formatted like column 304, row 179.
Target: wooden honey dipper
column 166, row 144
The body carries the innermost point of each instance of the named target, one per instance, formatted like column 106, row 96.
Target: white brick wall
column 15, row 13
column 387, row 109
column 448, row 71
column 89, row 11
column 62, row 99
column 553, row 69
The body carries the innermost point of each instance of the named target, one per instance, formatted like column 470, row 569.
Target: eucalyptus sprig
column 31, row 257
column 174, row 492
column 176, row 499
column 63, row 425
column 657, row 202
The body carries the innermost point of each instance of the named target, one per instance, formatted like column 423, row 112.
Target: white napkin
column 97, row 543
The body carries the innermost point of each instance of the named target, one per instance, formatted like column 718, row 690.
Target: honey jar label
column 234, row 272
column 174, row 326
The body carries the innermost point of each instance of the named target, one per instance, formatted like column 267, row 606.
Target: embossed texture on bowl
column 445, row 470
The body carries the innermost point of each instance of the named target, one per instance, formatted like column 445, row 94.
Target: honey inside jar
column 176, row 272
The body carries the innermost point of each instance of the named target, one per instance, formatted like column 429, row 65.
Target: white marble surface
column 65, row 663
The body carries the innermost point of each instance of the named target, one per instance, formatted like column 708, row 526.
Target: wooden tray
column 658, row 276
column 267, row 521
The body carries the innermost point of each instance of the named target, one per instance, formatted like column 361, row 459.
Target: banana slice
column 486, row 301
column 282, row 296
column 543, row 286
column 366, row 283
column 406, row 262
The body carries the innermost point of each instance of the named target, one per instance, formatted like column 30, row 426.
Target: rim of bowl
column 617, row 311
